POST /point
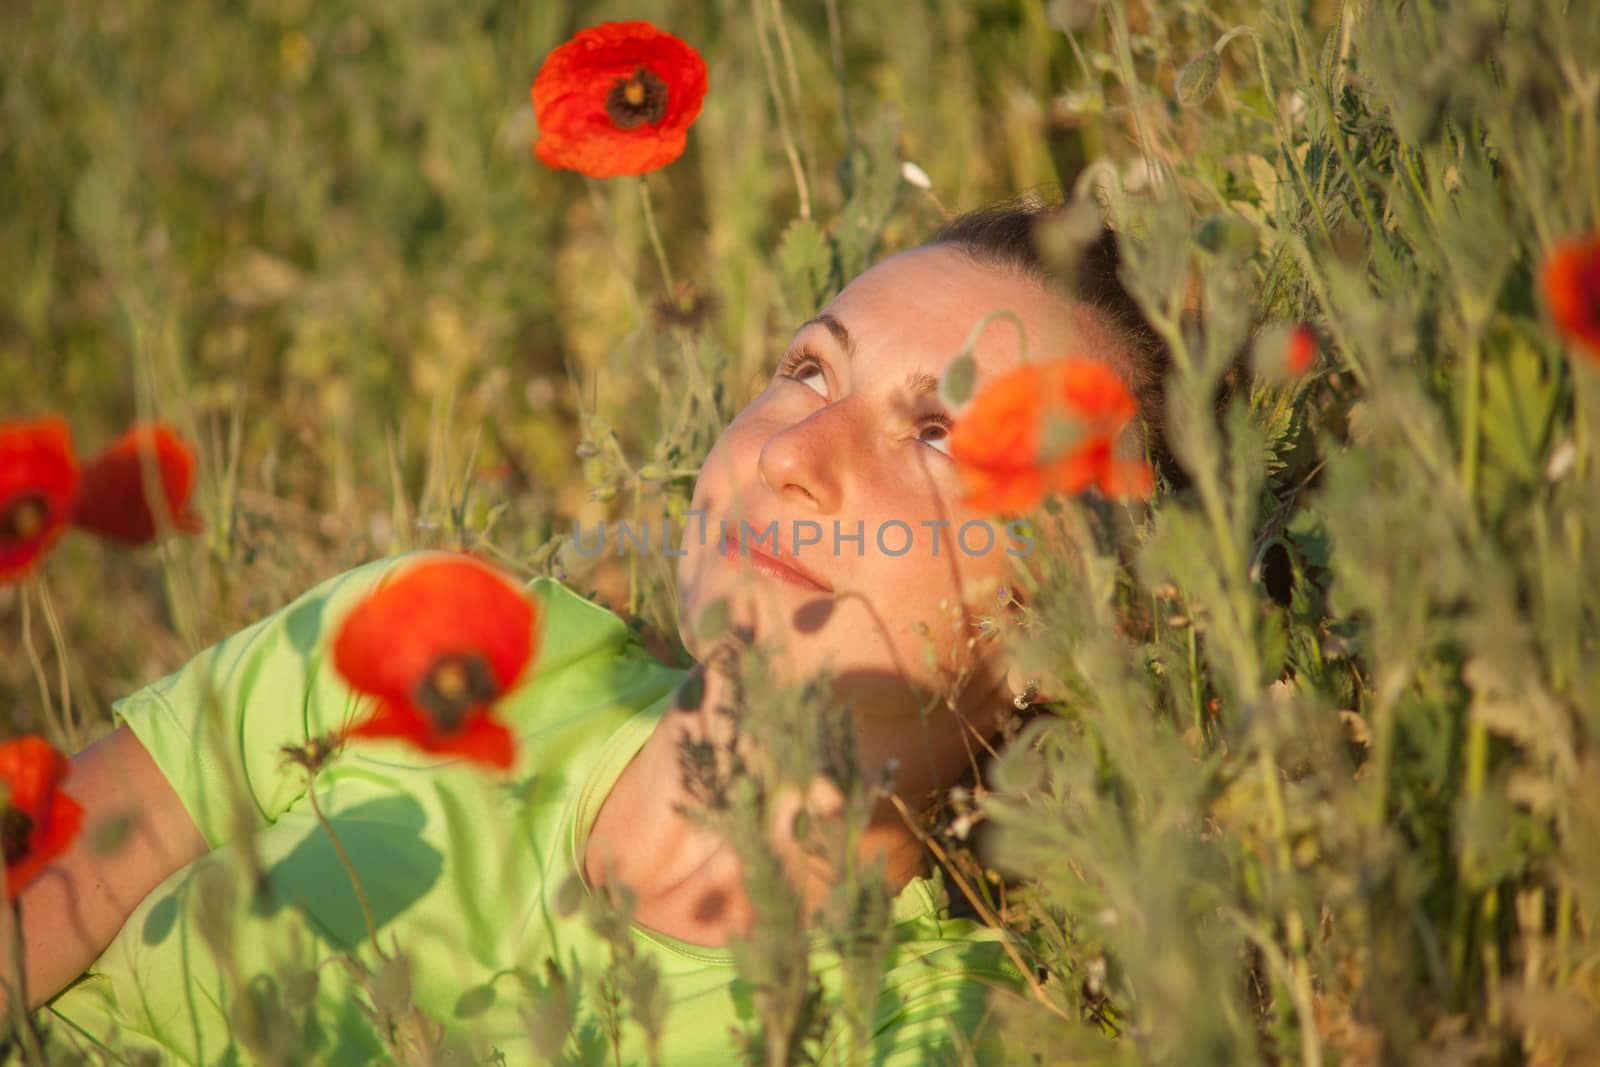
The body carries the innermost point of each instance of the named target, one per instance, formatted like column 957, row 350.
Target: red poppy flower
column 37, row 820
column 438, row 646
column 1572, row 289
column 616, row 99
column 1047, row 427
column 113, row 500
column 38, row 480
column 1300, row 353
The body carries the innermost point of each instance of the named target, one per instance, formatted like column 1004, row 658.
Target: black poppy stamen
column 453, row 687
column 24, row 517
column 639, row 98
column 16, row 826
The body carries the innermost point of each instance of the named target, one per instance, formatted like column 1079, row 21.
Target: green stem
column 655, row 238
column 58, row 640
column 40, row 675
column 1469, row 422
column 1293, row 925
column 802, row 187
column 1564, row 910
column 349, row 867
column 983, row 324
column 1491, row 956
column 1194, row 679
column 836, row 49
column 1477, row 770
column 1386, row 697
column 792, row 73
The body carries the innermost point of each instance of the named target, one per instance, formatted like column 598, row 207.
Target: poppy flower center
column 24, row 517
column 453, row 686
column 15, row 828
column 639, row 98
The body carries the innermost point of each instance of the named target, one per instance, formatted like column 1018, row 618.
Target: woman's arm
column 75, row 907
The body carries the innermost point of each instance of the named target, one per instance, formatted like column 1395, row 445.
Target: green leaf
column 805, row 258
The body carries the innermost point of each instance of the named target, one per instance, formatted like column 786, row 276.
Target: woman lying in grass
column 208, row 932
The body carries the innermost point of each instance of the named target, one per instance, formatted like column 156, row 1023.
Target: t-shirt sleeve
column 215, row 726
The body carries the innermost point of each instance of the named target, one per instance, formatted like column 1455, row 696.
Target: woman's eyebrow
column 919, row 383
column 835, row 327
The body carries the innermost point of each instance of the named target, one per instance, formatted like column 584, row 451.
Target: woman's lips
column 762, row 563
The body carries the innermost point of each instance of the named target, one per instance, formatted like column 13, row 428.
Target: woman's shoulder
column 572, row 624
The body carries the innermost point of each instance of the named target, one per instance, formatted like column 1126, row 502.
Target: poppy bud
column 1198, row 78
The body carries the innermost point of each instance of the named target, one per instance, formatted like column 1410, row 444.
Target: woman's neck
column 687, row 880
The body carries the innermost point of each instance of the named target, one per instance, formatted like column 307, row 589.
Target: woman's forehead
column 920, row 307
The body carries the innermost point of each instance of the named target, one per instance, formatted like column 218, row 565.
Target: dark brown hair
column 1006, row 236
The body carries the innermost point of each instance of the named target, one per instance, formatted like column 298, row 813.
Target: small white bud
column 915, row 175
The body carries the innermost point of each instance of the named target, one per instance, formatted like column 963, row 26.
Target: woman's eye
column 936, row 434
column 814, row 377
column 806, row 369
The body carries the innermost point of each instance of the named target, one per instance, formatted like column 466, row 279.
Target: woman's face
column 850, row 438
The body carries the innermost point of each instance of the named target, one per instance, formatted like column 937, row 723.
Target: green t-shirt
column 461, row 867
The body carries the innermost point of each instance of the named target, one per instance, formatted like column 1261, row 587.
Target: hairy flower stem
column 349, row 868
column 655, row 238
column 58, row 640
column 836, row 50
column 1470, row 430
column 1294, row 928
column 1477, row 757
column 40, row 676
column 785, row 130
column 27, row 1034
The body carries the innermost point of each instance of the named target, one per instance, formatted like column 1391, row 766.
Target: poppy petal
column 39, row 477
column 32, row 770
column 113, row 501
column 481, row 739
column 1008, row 448
column 447, row 606
column 1094, row 392
column 1571, row 283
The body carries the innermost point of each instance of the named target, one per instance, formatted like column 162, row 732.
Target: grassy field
column 1326, row 788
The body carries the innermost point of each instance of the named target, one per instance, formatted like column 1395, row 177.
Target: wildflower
column 37, row 820
column 438, row 647
column 38, row 480
column 113, row 500
column 1300, row 355
column 1283, row 351
column 616, row 99
column 1572, row 289
column 1047, row 427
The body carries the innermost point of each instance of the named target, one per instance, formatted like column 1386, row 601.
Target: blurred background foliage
column 314, row 238
column 1321, row 782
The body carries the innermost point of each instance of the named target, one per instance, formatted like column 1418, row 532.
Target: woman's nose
column 801, row 461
